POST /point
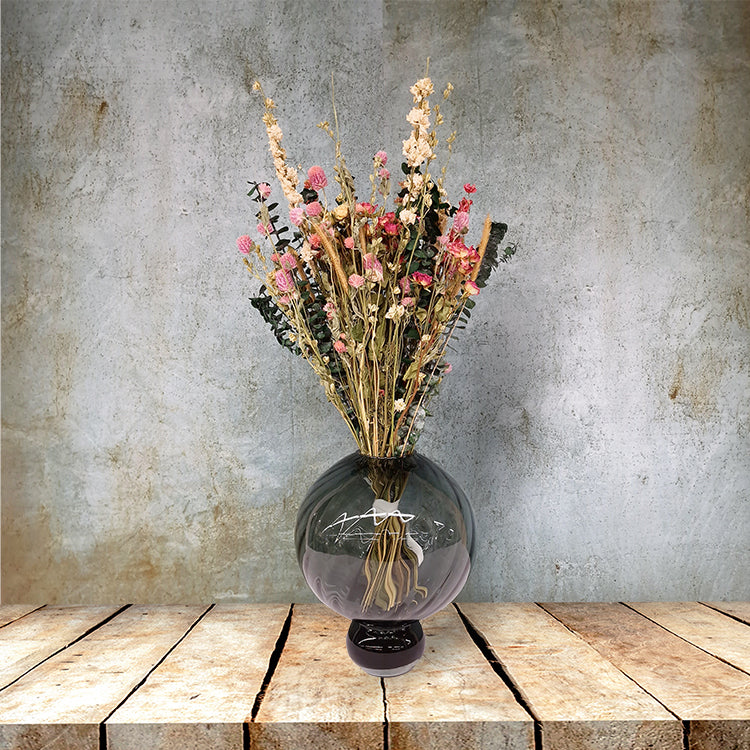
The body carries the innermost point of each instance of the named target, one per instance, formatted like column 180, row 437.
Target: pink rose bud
column 317, row 178
column 314, row 241
column 423, row 279
column 356, row 281
column 349, row 243
column 244, row 244
column 313, row 209
column 469, row 188
column 296, row 215
column 264, row 189
column 339, row 346
column 470, row 288
column 448, row 368
column 373, row 267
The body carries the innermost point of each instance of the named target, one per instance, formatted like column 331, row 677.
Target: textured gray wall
column 156, row 441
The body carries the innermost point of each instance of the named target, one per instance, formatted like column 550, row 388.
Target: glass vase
column 385, row 542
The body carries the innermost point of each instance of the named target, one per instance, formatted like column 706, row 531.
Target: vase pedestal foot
column 385, row 648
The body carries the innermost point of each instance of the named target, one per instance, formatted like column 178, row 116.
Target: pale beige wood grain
column 582, row 701
column 703, row 627
column 201, row 694
column 10, row 612
column 740, row 610
column 318, row 697
column 453, row 698
column 71, row 693
column 713, row 696
column 27, row 641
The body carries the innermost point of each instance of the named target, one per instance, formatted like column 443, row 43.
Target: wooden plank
column 713, row 696
column 204, row 691
column 703, row 627
column 61, row 703
column 318, row 697
column 453, row 697
column 27, row 641
column 581, row 700
column 740, row 610
column 10, row 612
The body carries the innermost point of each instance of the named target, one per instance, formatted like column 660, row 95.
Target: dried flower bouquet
column 370, row 295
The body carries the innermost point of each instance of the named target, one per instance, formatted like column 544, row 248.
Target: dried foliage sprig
column 370, row 295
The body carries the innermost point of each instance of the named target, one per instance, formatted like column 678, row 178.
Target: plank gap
column 67, row 645
column 726, row 614
column 386, row 727
column 273, row 662
column 690, row 643
column 481, row 643
column 20, row 617
column 684, row 724
column 635, row 682
column 102, row 737
column 103, row 723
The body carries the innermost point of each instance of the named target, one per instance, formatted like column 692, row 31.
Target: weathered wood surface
column 63, row 701
column 453, row 698
column 28, row 641
column 10, row 612
column 706, row 628
column 580, row 699
column 712, row 696
column 318, row 697
column 204, row 691
column 511, row 676
column 740, row 610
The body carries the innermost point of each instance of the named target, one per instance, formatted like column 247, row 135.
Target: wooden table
column 534, row 676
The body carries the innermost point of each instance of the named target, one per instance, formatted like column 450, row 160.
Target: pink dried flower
column 349, row 243
column 469, row 188
column 285, row 300
column 365, row 208
column 330, row 309
column 296, row 215
column 423, row 279
column 317, row 178
column 448, row 368
column 263, row 228
column 391, row 227
column 313, row 209
column 339, row 346
column 405, row 284
column 264, row 189
column 284, row 281
column 288, row 261
column 384, row 174
column 244, row 244
column 408, row 301
column 460, row 221
column 373, row 267
column 382, row 157
column 470, row 288
column 356, row 280
column 314, row 241
column 275, row 257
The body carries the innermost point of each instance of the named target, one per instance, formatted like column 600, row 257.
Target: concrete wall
column 156, row 441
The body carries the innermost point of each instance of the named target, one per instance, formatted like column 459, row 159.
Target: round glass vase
column 385, row 542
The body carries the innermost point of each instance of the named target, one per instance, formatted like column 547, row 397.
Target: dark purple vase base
column 385, row 648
